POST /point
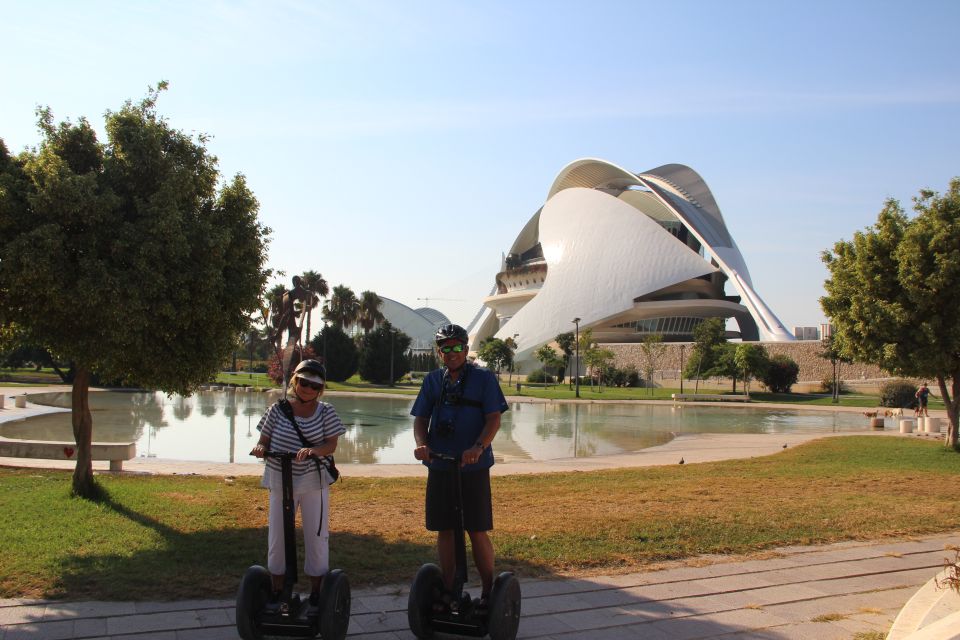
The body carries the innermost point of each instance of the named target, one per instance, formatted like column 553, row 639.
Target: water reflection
column 379, row 430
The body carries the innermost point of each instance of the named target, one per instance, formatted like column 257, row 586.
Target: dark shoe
column 481, row 605
column 273, row 603
column 313, row 606
column 442, row 601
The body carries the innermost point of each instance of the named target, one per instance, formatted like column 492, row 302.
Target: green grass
column 187, row 537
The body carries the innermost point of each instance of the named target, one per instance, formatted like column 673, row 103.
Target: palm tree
column 275, row 307
column 342, row 309
column 370, row 314
column 318, row 288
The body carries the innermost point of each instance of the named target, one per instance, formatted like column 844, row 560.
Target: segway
column 460, row 615
column 290, row 616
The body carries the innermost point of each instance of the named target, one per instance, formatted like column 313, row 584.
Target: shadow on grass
column 209, row 564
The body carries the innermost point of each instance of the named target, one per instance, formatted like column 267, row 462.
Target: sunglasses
column 455, row 348
column 309, row 385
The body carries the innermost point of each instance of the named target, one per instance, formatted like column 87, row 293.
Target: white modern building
column 420, row 324
column 629, row 254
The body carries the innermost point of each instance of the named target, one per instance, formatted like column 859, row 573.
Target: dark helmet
column 452, row 332
column 311, row 370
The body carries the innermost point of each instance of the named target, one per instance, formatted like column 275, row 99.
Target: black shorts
column 441, row 498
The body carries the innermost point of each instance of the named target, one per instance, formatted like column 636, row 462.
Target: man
column 922, row 395
column 458, row 413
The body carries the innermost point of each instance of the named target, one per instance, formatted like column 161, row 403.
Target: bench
column 710, row 397
column 115, row 452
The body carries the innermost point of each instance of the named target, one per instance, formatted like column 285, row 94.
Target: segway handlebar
column 280, row 455
column 446, row 457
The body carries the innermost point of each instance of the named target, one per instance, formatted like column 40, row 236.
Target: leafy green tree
column 652, row 351
column 707, row 337
column 496, row 353
column 782, row 373
column 598, row 362
column 337, row 351
column 314, row 283
column 113, row 251
column 751, row 361
column 368, row 313
column 831, row 352
column 548, row 358
column 375, row 355
column 343, row 308
column 893, row 298
column 567, row 342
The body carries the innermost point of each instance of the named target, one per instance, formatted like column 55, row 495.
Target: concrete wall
column 813, row 368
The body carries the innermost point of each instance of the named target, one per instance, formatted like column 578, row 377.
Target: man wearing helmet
column 458, row 413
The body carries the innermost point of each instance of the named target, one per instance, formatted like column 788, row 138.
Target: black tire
column 253, row 594
column 423, row 592
column 334, row 606
column 504, row 617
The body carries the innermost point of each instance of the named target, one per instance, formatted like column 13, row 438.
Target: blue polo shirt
column 457, row 410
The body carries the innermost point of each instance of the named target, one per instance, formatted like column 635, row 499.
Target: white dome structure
column 420, row 324
column 629, row 255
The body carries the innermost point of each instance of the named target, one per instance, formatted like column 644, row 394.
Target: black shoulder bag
column 320, row 461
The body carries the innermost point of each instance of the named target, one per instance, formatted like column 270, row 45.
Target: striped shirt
column 323, row 424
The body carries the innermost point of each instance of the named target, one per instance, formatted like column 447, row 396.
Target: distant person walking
column 922, row 395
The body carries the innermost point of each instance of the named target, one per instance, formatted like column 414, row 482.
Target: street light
column 576, row 322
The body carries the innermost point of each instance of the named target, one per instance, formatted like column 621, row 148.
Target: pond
column 221, row 426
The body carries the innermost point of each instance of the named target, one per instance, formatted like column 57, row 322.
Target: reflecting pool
column 221, row 426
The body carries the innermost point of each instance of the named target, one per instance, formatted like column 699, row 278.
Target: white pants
column 314, row 506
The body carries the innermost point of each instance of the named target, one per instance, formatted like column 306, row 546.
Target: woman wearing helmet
column 303, row 424
column 458, row 413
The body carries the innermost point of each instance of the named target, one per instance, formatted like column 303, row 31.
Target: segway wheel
column 426, row 585
column 252, row 596
column 504, row 607
column 334, row 606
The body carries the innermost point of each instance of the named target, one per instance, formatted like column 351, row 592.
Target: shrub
column 341, row 352
column 539, row 375
column 633, row 376
column 898, row 394
column 781, row 374
column 826, row 385
column 375, row 355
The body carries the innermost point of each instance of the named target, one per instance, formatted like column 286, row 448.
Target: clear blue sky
column 401, row 146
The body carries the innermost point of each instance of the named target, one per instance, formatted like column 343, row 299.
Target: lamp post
column 576, row 322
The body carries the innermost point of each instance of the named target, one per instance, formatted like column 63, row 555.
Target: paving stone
column 228, row 632
column 89, row 627
column 19, row 615
column 539, row 626
column 61, row 630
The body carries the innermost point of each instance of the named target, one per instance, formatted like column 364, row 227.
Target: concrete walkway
column 817, row 593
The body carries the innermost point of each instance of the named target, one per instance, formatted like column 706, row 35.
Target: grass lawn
column 170, row 537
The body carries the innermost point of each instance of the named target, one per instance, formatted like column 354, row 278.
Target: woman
column 320, row 427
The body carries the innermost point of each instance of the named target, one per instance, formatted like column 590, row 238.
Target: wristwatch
column 479, row 443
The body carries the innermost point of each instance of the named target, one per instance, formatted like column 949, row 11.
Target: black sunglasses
column 456, row 348
column 310, row 385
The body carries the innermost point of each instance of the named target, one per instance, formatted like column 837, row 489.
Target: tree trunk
column 83, row 483
column 952, row 403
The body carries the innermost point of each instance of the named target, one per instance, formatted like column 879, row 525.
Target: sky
column 400, row 147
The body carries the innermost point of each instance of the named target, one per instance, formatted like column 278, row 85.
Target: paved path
column 817, row 593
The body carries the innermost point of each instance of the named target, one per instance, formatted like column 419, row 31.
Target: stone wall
column 813, row 368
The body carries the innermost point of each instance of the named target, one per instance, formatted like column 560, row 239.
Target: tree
column 706, row 337
column 342, row 309
column 893, row 298
column 368, row 312
column 110, row 252
column 496, row 353
column 598, row 362
column 375, row 355
column 337, row 351
column 752, row 362
column 831, row 352
column 652, row 350
column 782, row 373
column 567, row 342
column 317, row 286
column 548, row 357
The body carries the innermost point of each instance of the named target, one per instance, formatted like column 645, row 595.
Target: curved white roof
column 603, row 234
